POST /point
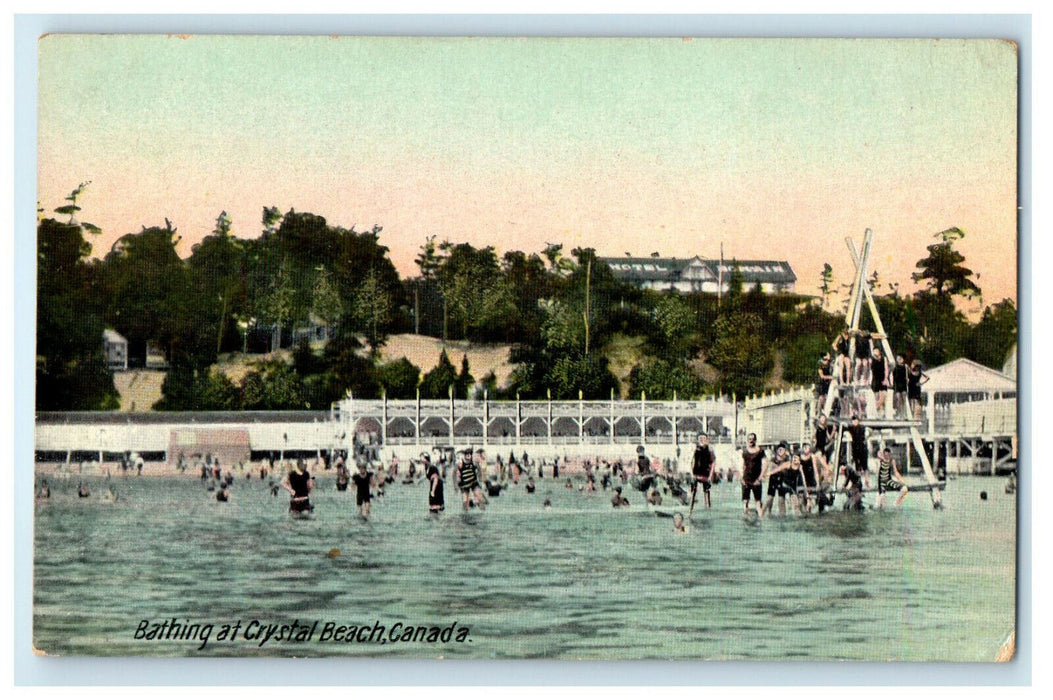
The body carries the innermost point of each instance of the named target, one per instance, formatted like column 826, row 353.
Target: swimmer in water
column 753, row 459
column 299, row 484
column 468, row 481
column 223, row 495
column 363, row 479
column 678, row 524
column 702, row 470
column 82, row 490
column 619, row 501
column 889, row 478
column 436, row 497
column 530, row 487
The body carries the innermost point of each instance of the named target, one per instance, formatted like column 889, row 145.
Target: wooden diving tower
column 888, row 425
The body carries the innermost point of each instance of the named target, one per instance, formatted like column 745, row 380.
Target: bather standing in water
column 299, row 484
column 436, row 497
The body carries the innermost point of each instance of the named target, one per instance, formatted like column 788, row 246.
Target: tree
column 400, row 378
column 477, row 296
column 373, row 311
column 429, row 260
column 217, row 275
column 826, row 281
column 741, row 353
column 277, row 305
column 569, row 373
column 273, row 386
column 71, row 371
column 994, row 336
column 660, row 380
column 674, row 323
column 326, row 303
column 942, row 271
column 71, row 209
column 465, row 381
column 437, row 382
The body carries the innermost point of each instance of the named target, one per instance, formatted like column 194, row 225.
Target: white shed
column 115, row 347
column 964, row 380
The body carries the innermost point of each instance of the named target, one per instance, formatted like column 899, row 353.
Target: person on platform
column 841, row 347
column 915, row 378
column 863, row 354
column 889, row 478
column 299, row 484
column 753, row 467
column 899, row 388
column 702, row 468
column 879, row 380
column 822, row 386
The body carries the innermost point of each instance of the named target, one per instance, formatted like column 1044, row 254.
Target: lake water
column 578, row 580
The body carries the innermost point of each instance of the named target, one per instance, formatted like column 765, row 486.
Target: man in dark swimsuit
column 841, row 347
column 777, row 473
column 299, row 484
column 363, row 479
column 915, row 378
column 343, row 477
column 860, row 450
column 812, row 479
column 889, row 478
column 899, row 388
column 863, row 345
column 702, row 468
column 853, row 487
column 643, row 470
column 822, row 386
column 879, row 377
column 752, row 471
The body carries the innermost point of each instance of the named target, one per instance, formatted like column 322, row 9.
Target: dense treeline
column 564, row 316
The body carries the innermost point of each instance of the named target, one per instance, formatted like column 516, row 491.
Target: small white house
column 115, row 347
column 963, row 380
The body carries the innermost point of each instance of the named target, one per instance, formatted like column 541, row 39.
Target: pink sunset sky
column 774, row 148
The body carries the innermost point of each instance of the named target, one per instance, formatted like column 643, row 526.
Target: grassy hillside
column 139, row 389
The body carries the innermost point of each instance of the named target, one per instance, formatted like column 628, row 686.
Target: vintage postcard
column 526, row 348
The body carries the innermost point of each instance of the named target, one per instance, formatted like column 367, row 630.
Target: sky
column 775, row 149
